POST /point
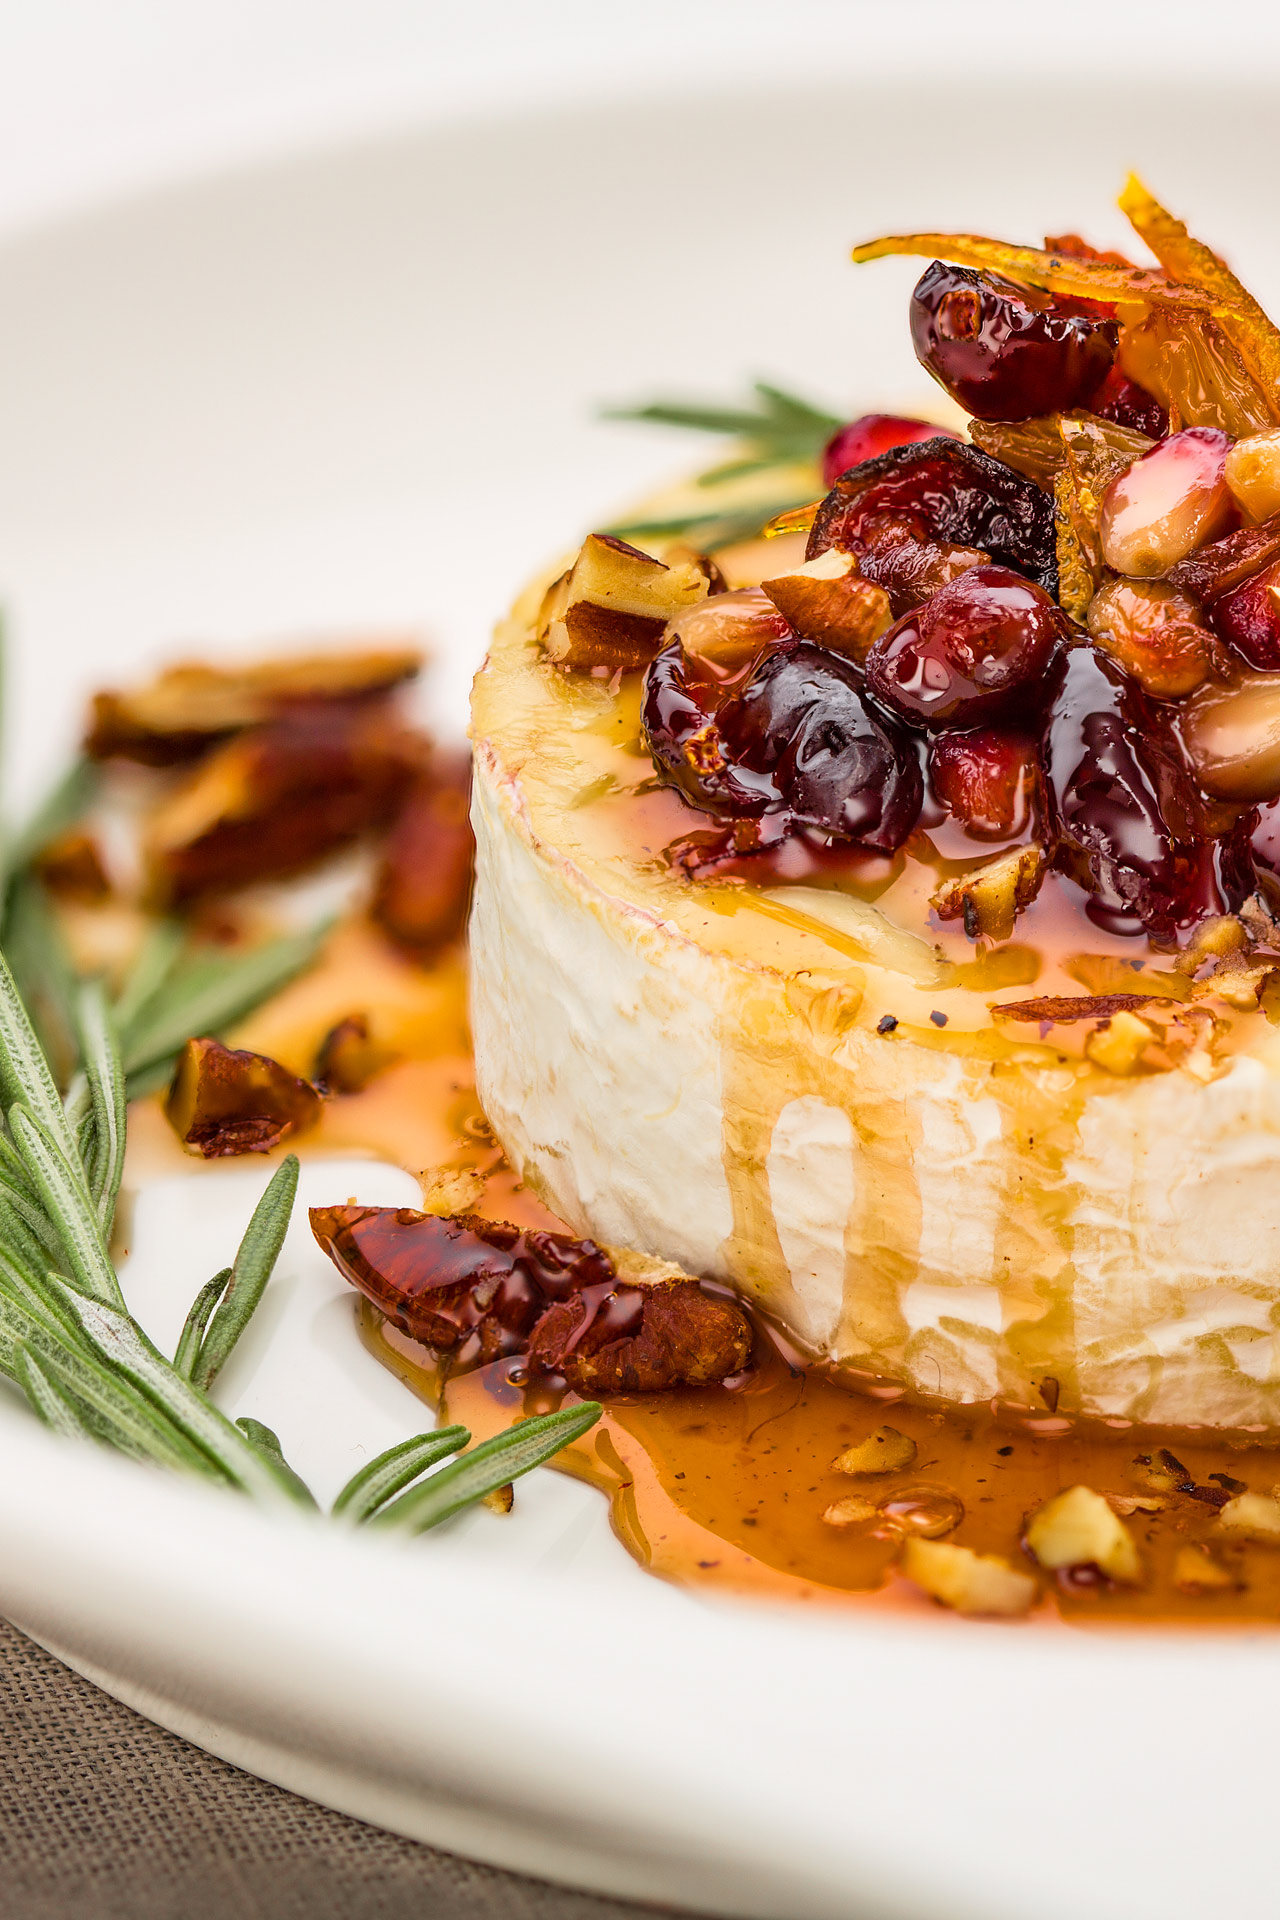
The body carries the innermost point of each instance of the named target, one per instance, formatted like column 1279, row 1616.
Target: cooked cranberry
column 1224, row 564
column 1121, row 399
column 1006, row 352
column 984, row 647
column 804, row 723
column 943, row 493
column 1248, row 619
column 1127, row 823
column 869, row 435
column 987, row 779
column 682, row 699
column 1169, row 502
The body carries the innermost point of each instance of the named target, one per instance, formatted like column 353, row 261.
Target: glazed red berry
column 984, row 648
column 988, row 780
column 1129, row 405
column 1007, row 352
column 1248, row 619
column 869, row 435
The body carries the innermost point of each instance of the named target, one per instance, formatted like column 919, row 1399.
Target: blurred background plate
column 357, row 389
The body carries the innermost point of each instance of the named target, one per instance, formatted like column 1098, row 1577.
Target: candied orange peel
column 1061, row 273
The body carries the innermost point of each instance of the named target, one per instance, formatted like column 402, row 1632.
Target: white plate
column 358, row 391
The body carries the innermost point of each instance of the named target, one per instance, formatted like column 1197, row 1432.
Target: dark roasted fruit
column 642, row 1339
column 347, row 1059
column 943, row 493
column 1225, row 564
column 1127, row 823
column 984, row 648
column 424, row 881
column 224, row 1101
column 804, row 723
column 1248, row 619
column 989, row 780
column 680, row 718
column 478, row 1289
column 1007, row 352
column 1121, row 399
column 871, row 434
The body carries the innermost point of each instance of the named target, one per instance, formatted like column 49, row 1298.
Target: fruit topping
column 1227, row 563
column 642, row 1339
column 798, row 741
column 939, row 494
column 827, row 601
column 1253, row 473
column 1006, row 352
column 1169, row 502
column 423, row 886
column 1125, row 817
column 224, row 1101
column 1154, row 633
column 989, row 780
column 71, row 866
column 187, row 709
column 869, row 435
column 270, row 802
column 1248, row 619
column 1119, row 1043
column 478, row 1289
column 983, row 648
column 990, row 898
column 1232, row 735
column 1123, row 401
column 609, row 611
column 804, row 723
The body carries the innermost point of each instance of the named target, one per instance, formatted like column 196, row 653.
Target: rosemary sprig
column 490, row 1465
column 259, row 1250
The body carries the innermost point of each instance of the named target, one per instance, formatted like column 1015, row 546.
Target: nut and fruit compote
column 888, row 929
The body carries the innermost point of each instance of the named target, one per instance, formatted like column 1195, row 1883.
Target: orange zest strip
column 1055, row 272
column 794, row 520
column 1253, row 334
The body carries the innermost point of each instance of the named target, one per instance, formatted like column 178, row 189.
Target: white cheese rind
column 972, row 1221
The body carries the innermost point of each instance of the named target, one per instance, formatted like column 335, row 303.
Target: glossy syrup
column 728, row 1486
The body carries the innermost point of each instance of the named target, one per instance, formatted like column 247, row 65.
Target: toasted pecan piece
column 226, row 1101
column 423, row 887
column 190, row 707
column 269, row 803
column 1061, row 1009
column 610, row 609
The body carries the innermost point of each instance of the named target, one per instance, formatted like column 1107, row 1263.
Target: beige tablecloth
column 105, row 1817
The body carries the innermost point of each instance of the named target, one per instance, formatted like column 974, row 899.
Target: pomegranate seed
column 1006, row 352
column 728, row 629
column 803, row 722
column 1154, row 633
column 1127, row 822
column 1232, row 736
column 1121, row 399
column 872, row 434
column 1169, row 502
column 987, row 779
column 943, row 494
column 981, row 648
column 1253, row 473
column 1248, row 619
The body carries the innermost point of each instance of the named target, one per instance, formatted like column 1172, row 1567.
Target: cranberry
column 804, row 722
column 942, row 493
column 988, row 780
column 1121, row 399
column 1169, row 502
column 981, row 648
column 679, row 714
column 1127, row 822
column 1007, row 352
column 1248, row 619
column 869, row 435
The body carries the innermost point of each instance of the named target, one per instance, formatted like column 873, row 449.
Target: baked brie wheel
column 885, row 926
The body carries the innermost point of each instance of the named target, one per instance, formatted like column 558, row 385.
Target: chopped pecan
column 269, row 803
column 71, row 866
column 424, row 883
column 347, row 1060
column 1060, row 1009
column 478, row 1289
column 626, row 1339
column 188, row 708
column 224, row 1101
